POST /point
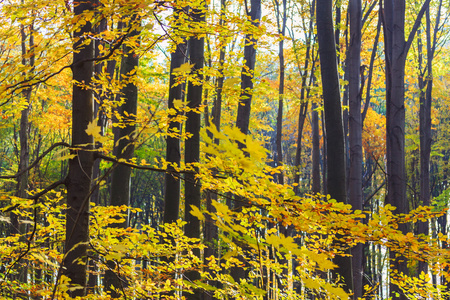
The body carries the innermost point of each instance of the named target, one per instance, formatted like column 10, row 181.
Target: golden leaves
column 95, row 131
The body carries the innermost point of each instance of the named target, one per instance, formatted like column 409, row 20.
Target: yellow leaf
column 337, row 291
column 178, row 103
column 184, row 68
column 231, row 82
column 95, row 131
column 197, row 213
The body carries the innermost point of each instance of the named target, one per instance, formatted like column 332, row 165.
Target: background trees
column 159, row 67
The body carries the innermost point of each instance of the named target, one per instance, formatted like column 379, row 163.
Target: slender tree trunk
column 355, row 135
column 99, row 114
column 121, row 175
column 78, row 181
column 243, row 115
column 425, row 122
column 333, row 121
column 24, row 154
column 324, row 155
column 125, row 135
column 244, row 106
column 304, row 103
column 192, row 144
column 315, row 150
column 173, row 154
column 281, row 30
column 371, row 64
column 211, row 231
column 396, row 50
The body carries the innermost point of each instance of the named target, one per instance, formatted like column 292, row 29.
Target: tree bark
column 315, row 150
column 173, row 154
column 192, row 144
column 125, row 136
column 336, row 182
column 281, row 30
column 396, row 50
column 303, row 102
column 355, row 134
column 243, row 115
column 78, row 181
column 121, row 175
column 211, row 232
column 425, row 122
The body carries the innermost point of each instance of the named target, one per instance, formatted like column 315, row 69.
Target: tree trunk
column 304, row 103
column 192, row 144
column 396, row 49
column 100, row 115
column 281, row 30
column 121, row 175
column 173, row 155
column 78, row 181
column 315, row 150
column 211, row 232
column 125, row 135
column 243, row 115
column 333, row 121
column 24, row 155
column 355, row 135
column 425, row 122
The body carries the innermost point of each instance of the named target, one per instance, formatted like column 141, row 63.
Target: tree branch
column 413, row 31
column 36, row 161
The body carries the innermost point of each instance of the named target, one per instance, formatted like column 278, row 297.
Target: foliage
column 285, row 242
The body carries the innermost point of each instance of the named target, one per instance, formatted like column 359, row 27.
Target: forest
column 224, row 149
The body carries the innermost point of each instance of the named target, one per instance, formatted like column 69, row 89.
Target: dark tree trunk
column 324, row 155
column 243, row 115
column 370, row 72
column 281, row 30
column 78, row 181
column 173, row 155
column 24, row 156
column 303, row 101
column 121, row 175
column 425, row 122
column 211, row 231
column 355, row 135
column 336, row 182
column 125, row 137
column 244, row 106
column 315, row 150
column 100, row 115
column 192, row 144
column 396, row 49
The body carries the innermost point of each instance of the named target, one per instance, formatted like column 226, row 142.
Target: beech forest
column 224, row 149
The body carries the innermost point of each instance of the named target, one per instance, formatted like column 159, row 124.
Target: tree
column 304, row 92
column 245, row 100
column 125, row 137
column 281, row 22
column 78, row 181
column 173, row 154
column 396, row 49
column 194, row 95
column 336, row 182
column 425, row 117
column 355, row 133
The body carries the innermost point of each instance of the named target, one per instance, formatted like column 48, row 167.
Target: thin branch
column 21, row 85
column 374, row 193
column 416, row 26
column 18, row 174
column 30, row 238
